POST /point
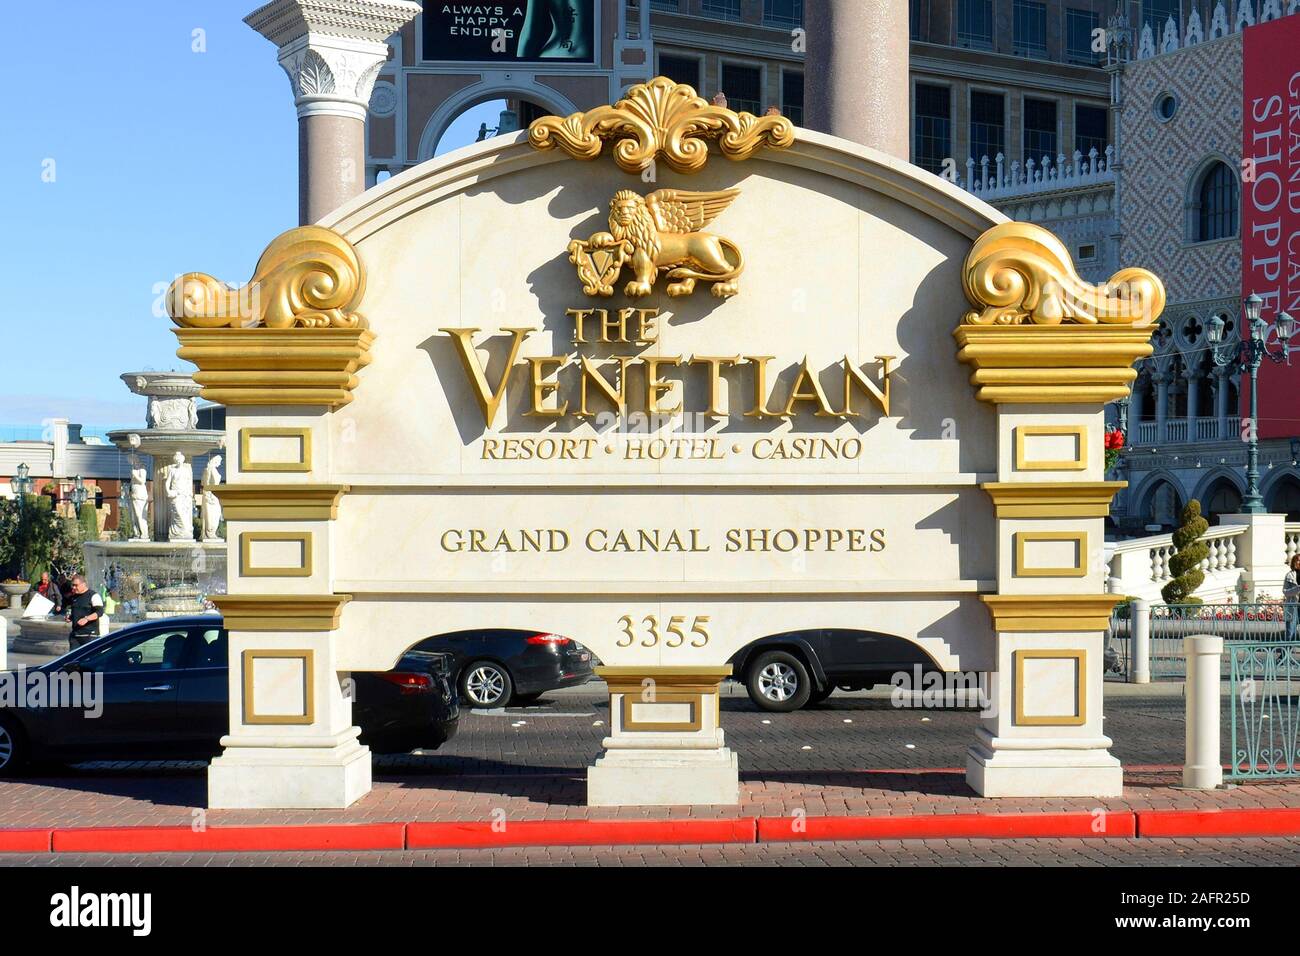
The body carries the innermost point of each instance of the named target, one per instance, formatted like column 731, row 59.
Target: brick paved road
column 847, row 732
column 1070, row 853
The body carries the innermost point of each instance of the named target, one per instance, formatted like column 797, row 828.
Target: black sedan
column 497, row 667
column 788, row 671
column 165, row 696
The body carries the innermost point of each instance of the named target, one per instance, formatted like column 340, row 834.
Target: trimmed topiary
column 1185, row 565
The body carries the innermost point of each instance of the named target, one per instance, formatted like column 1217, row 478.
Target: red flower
column 1114, row 439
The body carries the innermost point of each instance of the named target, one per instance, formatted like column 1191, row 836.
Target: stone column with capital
column 332, row 51
column 857, row 72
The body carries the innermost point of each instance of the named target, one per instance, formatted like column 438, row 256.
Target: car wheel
column 13, row 748
column 778, row 681
column 485, row 684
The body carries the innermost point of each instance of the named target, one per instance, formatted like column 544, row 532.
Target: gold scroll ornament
column 661, row 120
column 292, row 335
column 1019, row 273
column 660, row 233
column 1041, row 334
column 308, row 277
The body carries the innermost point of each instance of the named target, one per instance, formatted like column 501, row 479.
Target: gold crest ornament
column 661, row 120
column 660, row 233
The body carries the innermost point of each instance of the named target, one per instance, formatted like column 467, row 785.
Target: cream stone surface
column 1011, row 759
column 273, row 554
column 1051, row 687
column 1041, row 555
column 240, row 417
column 1016, row 425
column 266, row 556
column 867, row 264
column 276, row 449
column 280, row 686
column 1046, row 553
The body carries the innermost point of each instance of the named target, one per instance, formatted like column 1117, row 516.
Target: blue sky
column 126, row 160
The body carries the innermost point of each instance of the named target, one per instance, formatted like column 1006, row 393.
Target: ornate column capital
column 332, row 50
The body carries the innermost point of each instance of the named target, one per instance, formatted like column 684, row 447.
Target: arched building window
column 1284, row 498
column 1164, row 505
column 1222, row 498
column 1214, row 204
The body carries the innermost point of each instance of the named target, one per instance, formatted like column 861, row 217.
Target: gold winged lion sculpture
column 660, row 233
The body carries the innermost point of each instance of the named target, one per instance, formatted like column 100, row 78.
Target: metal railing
column 1264, row 623
column 1265, row 701
column 1170, row 623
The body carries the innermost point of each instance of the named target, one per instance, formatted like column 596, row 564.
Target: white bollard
column 1203, row 769
column 1140, row 632
column 4, row 643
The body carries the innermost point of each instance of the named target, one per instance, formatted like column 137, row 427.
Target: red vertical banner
column 1270, row 204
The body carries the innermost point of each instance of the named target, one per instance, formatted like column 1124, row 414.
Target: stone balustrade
column 1139, row 567
column 994, row 179
column 1203, row 428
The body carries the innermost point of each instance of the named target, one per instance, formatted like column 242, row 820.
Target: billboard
column 524, row 31
column 1270, row 203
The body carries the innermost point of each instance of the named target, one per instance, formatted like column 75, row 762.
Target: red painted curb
column 364, row 836
column 25, row 841
column 1219, row 823
column 580, row 833
column 988, row 826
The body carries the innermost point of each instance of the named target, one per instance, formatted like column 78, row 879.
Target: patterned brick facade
column 1161, row 160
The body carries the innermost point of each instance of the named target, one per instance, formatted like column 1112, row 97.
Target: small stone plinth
column 39, row 635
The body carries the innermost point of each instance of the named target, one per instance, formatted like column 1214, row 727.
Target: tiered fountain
column 174, row 555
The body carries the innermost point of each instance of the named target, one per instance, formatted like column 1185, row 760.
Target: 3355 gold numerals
column 652, row 631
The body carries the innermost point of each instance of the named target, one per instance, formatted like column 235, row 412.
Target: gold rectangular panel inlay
column 247, row 539
column 1021, row 441
column 1079, row 717
column 308, row 715
column 249, row 438
column 1022, row 569
column 690, row 725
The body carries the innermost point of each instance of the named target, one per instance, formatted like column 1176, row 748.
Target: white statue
column 180, row 498
column 172, row 414
column 211, row 509
column 139, row 500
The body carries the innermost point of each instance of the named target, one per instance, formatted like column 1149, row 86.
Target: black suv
column 166, row 696
column 788, row 671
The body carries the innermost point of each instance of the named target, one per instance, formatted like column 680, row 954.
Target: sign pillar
column 281, row 354
column 1048, row 351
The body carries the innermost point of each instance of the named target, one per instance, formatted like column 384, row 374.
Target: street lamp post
column 1247, row 355
column 22, row 485
column 79, row 494
column 22, row 481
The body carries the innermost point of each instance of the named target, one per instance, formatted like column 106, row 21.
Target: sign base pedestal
column 996, row 772
column 649, row 778
column 665, row 747
column 252, row 777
